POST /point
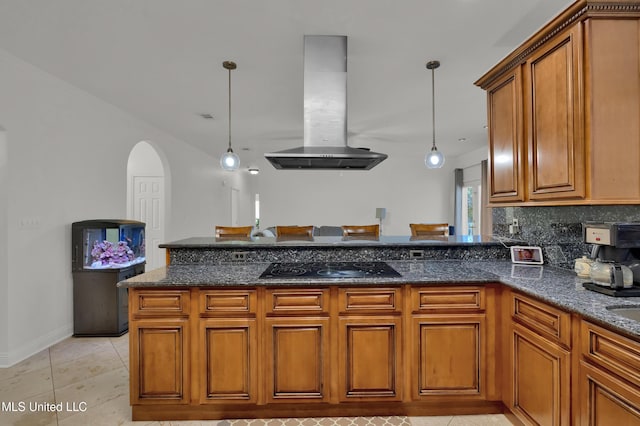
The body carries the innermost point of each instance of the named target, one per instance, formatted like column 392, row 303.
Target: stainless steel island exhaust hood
column 325, row 113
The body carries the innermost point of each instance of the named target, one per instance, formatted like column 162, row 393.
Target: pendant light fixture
column 434, row 159
column 230, row 160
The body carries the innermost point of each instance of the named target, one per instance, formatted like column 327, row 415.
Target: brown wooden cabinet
column 160, row 347
column 448, row 342
column 227, row 355
column 215, row 352
column 370, row 346
column 228, row 360
column 449, row 356
column 609, row 378
column 297, row 357
column 538, row 379
column 507, row 151
column 553, row 111
column 540, row 387
column 563, row 111
column 370, row 364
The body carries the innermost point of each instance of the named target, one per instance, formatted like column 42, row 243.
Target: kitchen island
column 211, row 339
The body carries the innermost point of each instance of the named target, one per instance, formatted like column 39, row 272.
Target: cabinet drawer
column 370, row 299
column 227, row 302
column 447, row 298
column 159, row 302
column 549, row 322
column 290, row 301
column 612, row 351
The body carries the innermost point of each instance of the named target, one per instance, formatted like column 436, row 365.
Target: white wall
column 69, row 153
column 4, row 246
column 471, row 158
column 401, row 184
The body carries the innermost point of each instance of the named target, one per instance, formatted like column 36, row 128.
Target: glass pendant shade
column 230, row 161
column 434, row 159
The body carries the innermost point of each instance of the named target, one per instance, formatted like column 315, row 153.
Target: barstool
column 360, row 230
column 294, row 231
column 422, row 229
column 233, row 231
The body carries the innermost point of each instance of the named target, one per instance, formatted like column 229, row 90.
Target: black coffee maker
column 616, row 246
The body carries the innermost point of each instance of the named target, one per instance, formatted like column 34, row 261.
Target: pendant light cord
column 230, row 108
column 433, row 106
column 432, row 65
column 229, row 65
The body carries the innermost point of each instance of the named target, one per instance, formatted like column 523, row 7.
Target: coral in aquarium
column 106, row 252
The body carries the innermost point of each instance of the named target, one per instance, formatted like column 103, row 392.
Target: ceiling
column 161, row 61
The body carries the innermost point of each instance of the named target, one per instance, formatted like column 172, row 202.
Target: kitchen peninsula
column 461, row 330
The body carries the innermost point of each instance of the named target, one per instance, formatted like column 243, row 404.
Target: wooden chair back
column 361, row 230
column 297, row 231
column 422, row 229
column 233, row 231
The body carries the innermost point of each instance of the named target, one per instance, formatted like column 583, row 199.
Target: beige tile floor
column 85, row 381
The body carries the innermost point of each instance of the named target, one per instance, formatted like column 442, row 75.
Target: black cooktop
column 329, row 270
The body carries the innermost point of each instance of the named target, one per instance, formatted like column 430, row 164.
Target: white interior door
column 148, row 207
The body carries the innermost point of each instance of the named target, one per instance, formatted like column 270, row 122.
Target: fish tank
column 107, row 244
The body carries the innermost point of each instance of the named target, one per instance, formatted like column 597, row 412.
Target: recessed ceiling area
column 161, row 61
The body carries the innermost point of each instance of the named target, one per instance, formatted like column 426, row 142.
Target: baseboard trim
column 162, row 411
column 12, row 357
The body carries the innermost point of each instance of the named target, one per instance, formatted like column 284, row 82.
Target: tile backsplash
column 558, row 230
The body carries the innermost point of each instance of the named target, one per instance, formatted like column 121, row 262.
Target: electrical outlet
column 416, row 254
column 514, row 228
column 239, row 255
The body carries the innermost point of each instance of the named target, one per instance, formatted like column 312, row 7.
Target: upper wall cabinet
column 506, row 135
column 564, row 111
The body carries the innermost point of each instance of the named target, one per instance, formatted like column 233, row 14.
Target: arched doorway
column 146, row 198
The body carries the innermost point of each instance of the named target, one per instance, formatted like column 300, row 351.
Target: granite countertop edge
column 208, row 243
column 556, row 286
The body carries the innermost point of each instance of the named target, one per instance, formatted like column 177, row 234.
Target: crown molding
column 577, row 12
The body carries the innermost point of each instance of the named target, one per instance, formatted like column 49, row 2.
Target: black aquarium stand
column 100, row 308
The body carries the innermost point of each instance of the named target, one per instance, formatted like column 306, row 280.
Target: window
column 469, row 200
column 257, row 210
column 471, row 211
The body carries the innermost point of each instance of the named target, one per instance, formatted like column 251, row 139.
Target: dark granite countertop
column 320, row 241
column 554, row 285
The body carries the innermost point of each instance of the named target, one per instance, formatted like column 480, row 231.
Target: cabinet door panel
column 448, row 355
column 556, row 148
column 504, row 104
column 540, row 381
column 607, row 400
column 298, row 357
column 161, row 349
column 228, row 362
column 370, row 354
column 613, row 69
